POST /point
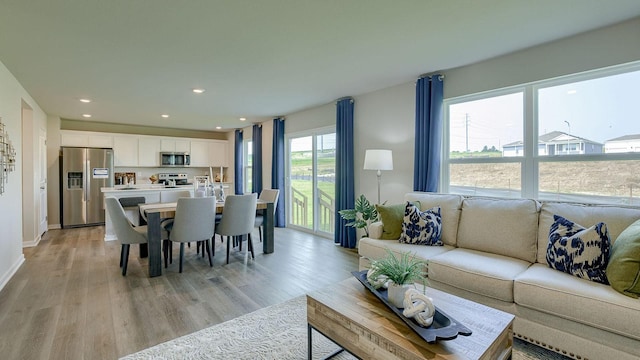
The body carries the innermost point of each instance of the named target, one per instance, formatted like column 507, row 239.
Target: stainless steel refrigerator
column 84, row 171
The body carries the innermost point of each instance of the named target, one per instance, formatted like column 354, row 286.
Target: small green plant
column 362, row 215
column 404, row 270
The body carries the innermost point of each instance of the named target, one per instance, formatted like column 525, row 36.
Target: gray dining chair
column 170, row 197
column 125, row 231
column 238, row 218
column 194, row 221
column 269, row 195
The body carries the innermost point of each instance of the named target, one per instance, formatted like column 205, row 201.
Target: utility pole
column 466, row 130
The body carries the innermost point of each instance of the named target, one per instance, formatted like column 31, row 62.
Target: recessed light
column 243, row 119
column 85, row 100
column 218, row 127
column 165, row 115
column 86, row 115
column 198, row 91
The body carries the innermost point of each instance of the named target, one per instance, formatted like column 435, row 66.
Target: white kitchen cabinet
column 101, row 141
column 200, row 153
column 85, row 139
column 149, row 151
column 175, row 145
column 218, row 153
column 125, row 150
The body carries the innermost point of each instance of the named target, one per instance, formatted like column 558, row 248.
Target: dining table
column 157, row 212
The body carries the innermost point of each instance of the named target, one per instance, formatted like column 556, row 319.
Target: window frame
column 530, row 160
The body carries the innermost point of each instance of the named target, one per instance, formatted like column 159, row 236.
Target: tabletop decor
column 443, row 327
column 396, row 274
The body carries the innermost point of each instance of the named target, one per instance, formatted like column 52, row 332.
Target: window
column 248, row 166
column 580, row 140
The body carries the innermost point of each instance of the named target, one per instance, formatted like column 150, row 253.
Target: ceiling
column 258, row 59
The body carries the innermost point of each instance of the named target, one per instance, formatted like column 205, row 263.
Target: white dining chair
column 238, row 218
column 269, row 195
column 194, row 221
column 125, row 231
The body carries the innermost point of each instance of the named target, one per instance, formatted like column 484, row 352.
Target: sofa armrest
column 375, row 230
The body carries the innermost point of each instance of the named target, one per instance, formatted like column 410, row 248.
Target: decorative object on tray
column 361, row 215
column 397, row 274
column 419, row 307
column 443, row 327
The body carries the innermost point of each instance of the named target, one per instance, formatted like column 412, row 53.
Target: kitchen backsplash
column 142, row 174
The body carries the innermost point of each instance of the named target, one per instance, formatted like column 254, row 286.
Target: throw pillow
column 421, row 227
column 623, row 270
column 579, row 251
column 391, row 217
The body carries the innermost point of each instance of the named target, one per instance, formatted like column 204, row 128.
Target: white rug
column 275, row 332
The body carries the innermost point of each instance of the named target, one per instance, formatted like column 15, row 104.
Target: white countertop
column 144, row 187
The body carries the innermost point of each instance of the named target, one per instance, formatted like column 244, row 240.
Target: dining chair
column 269, row 195
column 194, row 221
column 125, row 231
column 238, row 218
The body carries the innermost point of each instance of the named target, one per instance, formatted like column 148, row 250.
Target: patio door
column 311, row 174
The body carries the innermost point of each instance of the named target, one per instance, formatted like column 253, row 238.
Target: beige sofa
column 494, row 253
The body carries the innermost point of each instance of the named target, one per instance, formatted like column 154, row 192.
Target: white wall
column 385, row 118
column 12, row 94
column 53, row 171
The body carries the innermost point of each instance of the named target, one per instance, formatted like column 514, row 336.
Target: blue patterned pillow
column 578, row 251
column 421, row 227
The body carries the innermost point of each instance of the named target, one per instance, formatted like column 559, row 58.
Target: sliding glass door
column 312, row 181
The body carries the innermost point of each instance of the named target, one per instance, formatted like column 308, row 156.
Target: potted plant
column 398, row 274
column 361, row 215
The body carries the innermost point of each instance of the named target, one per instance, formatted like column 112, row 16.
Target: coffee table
column 356, row 320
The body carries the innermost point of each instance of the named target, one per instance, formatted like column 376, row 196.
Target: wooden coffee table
column 356, row 320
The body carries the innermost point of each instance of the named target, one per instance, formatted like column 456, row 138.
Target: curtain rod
column 430, row 75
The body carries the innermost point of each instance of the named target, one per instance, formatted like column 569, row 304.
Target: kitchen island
column 151, row 193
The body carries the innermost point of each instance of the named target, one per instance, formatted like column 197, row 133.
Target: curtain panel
column 345, row 193
column 256, row 160
column 277, row 170
column 238, row 163
column 428, row 140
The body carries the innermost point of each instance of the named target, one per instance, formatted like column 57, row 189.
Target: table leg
column 269, row 223
column 144, row 250
column 155, row 248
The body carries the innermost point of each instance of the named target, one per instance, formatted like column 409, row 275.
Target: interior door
column 42, row 176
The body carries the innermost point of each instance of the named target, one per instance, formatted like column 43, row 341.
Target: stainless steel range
column 168, row 178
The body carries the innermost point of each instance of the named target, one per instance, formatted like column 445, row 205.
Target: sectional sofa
column 494, row 253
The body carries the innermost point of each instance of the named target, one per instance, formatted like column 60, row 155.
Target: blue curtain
column 345, row 193
column 277, row 169
column 256, row 161
column 428, row 141
column 237, row 166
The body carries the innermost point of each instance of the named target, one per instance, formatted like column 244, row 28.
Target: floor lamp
column 376, row 159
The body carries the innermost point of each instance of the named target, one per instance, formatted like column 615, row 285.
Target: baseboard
column 54, row 226
column 9, row 274
column 32, row 243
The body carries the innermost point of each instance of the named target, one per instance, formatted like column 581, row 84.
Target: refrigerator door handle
column 87, row 191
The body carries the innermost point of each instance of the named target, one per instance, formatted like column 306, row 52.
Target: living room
column 384, row 118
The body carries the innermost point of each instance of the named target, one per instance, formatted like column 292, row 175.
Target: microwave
column 179, row 159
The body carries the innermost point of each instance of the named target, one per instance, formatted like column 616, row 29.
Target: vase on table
column 395, row 294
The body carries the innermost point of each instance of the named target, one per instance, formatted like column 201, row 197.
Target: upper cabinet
column 175, row 145
column 200, row 153
column 125, row 150
column 149, row 151
column 219, row 153
column 85, row 139
column 206, row 153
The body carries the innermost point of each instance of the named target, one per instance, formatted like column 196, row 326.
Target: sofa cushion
column 623, row 270
column 450, row 206
column 478, row 272
column 578, row 251
column 376, row 249
column 421, row 227
column 553, row 292
column 617, row 219
column 392, row 217
column 506, row 227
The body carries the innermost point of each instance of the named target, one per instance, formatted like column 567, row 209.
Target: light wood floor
column 69, row 299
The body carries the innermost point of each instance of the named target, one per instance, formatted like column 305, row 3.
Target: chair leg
column 260, row 232
column 121, row 255
column 209, row 252
column 240, row 239
column 165, row 251
column 181, row 254
column 250, row 246
column 213, row 245
column 125, row 248
column 229, row 239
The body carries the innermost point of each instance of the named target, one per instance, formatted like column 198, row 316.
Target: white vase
column 395, row 294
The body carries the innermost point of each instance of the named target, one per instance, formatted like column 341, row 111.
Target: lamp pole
column 379, row 176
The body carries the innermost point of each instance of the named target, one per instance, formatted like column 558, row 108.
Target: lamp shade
column 376, row 159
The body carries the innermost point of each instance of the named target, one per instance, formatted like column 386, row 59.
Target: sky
column 598, row 110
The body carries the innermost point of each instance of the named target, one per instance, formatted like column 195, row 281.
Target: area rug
column 275, row 332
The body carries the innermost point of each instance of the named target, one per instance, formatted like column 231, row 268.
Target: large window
column 248, row 166
column 575, row 138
